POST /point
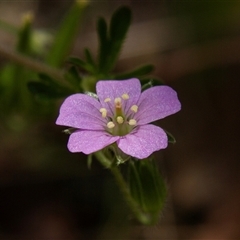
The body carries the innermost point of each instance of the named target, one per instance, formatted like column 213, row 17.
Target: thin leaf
column 47, row 89
column 134, row 182
column 89, row 58
column 103, row 42
column 151, row 180
column 25, row 34
column 81, row 64
column 110, row 46
column 119, row 25
column 73, row 77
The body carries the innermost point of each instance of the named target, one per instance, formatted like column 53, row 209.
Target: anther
column 134, row 108
column 107, row 99
column 132, row 122
column 125, row 96
column 103, row 111
column 110, row 125
column 120, row 119
column 118, row 102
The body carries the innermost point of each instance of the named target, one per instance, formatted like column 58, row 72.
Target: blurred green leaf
column 47, row 89
column 66, row 34
column 110, row 46
column 72, row 76
column 15, row 96
column 103, row 42
column 134, row 183
column 138, row 72
column 147, row 186
column 119, row 25
column 89, row 58
column 81, row 64
column 25, row 34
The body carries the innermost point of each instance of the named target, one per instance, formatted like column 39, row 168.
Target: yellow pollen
column 120, row 119
column 103, row 111
column 132, row 122
column 125, row 96
column 118, row 102
column 107, row 99
column 134, row 108
column 110, row 125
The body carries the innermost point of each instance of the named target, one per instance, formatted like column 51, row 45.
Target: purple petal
column 87, row 141
column 142, row 143
column 157, row 103
column 113, row 89
column 81, row 111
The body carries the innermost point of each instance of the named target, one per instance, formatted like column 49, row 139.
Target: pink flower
column 121, row 114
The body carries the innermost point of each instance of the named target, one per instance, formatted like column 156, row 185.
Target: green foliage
column 81, row 64
column 15, row 96
column 110, row 42
column 147, row 186
column 47, row 89
column 25, row 35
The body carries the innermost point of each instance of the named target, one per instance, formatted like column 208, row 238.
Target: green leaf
column 47, row 89
column 134, row 183
column 66, row 34
column 103, row 42
column 154, row 190
column 110, row 46
column 147, row 186
column 73, row 77
column 89, row 58
column 81, row 64
column 138, row 72
column 25, row 35
column 119, row 25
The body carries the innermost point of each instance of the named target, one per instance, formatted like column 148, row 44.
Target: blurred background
column 46, row 192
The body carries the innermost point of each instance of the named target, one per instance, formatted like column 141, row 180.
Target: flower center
column 120, row 121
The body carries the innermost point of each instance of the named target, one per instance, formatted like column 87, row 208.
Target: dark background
column 47, row 192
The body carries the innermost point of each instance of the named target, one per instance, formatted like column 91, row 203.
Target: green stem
column 139, row 214
column 34, row 65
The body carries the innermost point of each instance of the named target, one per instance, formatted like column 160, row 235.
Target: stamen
column 134, row 108
column 125, row 96
column 132, row 122
column 120, row 119
column 107, row 99
column 103, row 111
column 110, row 125
column 118, row 102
